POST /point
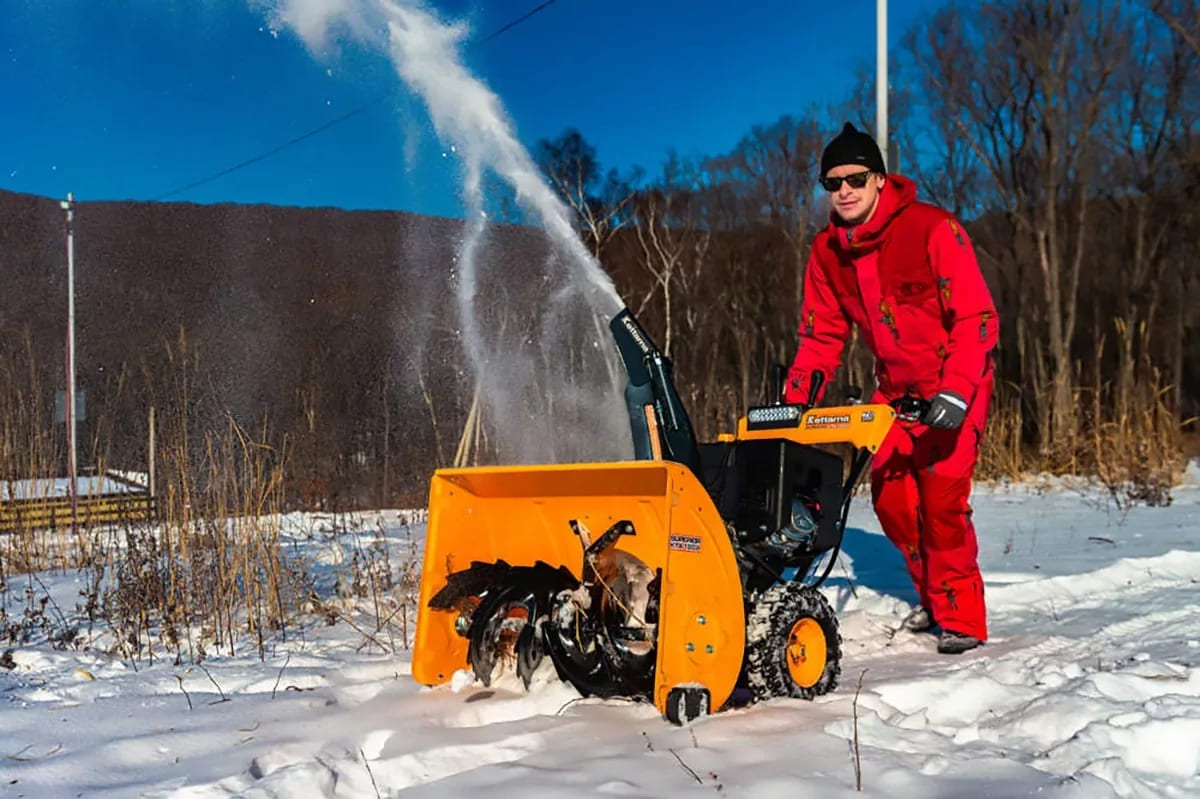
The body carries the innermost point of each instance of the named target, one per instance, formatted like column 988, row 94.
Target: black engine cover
column 753, row 484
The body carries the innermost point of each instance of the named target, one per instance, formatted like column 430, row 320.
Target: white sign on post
column 60, row 406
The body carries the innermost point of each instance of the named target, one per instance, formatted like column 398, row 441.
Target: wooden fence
column 54, row 512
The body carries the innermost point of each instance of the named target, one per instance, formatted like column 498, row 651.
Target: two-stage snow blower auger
column 674, row 577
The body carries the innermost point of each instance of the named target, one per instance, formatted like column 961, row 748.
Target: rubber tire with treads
column 769, row 626
column 685, row 705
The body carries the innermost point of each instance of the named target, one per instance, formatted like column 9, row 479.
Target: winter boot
column 918, row 621
column 952, row 643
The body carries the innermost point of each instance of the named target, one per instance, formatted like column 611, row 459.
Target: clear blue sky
column 132, row 100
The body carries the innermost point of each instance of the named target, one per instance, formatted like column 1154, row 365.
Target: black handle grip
column 778, row 383
column 814, row 387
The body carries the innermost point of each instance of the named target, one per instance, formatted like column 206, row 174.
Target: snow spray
column 548, row 388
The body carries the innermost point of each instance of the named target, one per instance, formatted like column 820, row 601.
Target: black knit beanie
column 852, row 146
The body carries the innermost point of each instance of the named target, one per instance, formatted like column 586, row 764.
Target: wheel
column 685, row 705
column 793, row 646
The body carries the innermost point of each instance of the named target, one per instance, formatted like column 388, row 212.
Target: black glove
column 946, row 411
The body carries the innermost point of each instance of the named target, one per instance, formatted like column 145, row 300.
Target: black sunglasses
column 856, row 181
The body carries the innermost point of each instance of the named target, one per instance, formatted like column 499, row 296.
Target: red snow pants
column 921, row 486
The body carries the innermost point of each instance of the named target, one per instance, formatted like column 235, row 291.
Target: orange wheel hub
column 806, row 652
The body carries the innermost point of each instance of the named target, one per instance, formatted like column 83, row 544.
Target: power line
column 338, row 120
column 275, row 150
column 513, row 24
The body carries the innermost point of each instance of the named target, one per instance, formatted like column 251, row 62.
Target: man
column 905, row 273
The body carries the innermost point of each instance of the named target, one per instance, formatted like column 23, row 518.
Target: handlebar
column 910, row 409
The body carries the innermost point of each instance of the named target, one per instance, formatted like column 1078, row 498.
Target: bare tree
column 1183, row 16
column 601, row 201
column 775, row 169
column 1024, row 86
column 1141, row 132
column 673, row 243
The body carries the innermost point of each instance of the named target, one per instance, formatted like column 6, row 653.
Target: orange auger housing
column 524, row 515
column 664, row 577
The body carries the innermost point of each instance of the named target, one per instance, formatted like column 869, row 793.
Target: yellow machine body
column 523, row 514
column 863, row 426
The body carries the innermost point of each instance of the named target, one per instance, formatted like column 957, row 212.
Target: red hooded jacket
column 909, row 279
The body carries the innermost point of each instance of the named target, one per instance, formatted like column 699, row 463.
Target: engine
column 795, row 535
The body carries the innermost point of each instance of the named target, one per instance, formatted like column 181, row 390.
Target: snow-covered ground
column 1090, row 687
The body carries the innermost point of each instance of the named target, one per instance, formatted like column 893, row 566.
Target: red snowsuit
column 909, row 280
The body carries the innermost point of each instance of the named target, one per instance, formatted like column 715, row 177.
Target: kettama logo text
column 825, row 421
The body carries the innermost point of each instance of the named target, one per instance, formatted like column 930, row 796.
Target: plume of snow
column 579, row 398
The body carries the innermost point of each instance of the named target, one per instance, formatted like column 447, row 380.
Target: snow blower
column 675, row 577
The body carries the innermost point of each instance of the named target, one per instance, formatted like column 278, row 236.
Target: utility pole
column 151, row 487
column 881, row 80
column 72, row 470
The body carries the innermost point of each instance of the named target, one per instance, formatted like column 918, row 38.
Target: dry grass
column 1003, row 452
column 209, row 572
column 213, row 570
column 1190, row 444
column 1125, row 433
column 370, row 593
